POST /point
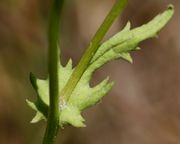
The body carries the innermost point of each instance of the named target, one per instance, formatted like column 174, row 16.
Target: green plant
column 66, row 92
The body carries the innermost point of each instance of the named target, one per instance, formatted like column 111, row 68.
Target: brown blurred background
column 142, row 108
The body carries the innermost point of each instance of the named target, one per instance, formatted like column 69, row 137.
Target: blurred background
column 142, row 108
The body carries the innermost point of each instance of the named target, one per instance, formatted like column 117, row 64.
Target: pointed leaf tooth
column 137, row 48
column 127, row 26
column 69, row 64
column 101, row 84
column 99, row 94
column 127, row 57
column 31, row 105
column 38, row 117
column 96, row 95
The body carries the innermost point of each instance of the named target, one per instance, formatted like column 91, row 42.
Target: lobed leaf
column 84, row 96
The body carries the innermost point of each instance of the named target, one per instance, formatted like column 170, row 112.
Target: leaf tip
column 69, row 64
column 128, row 25
column 171, row 6
column 137, row 48
column 31, row 104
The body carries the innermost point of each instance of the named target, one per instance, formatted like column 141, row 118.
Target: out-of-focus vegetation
column 145, row 100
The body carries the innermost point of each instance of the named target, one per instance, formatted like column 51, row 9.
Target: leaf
column 127, row 40
column 84, row 96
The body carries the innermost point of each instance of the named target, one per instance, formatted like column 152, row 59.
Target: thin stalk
column 53, row 37
column 92, row 48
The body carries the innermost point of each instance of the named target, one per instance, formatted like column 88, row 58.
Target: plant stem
column 53, row 37
column 92, row 48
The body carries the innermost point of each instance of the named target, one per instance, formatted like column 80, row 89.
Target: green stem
column 92, row 48
column 53, row 37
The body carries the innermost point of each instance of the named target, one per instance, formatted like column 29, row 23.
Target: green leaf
column 84, row 96
column 127, row 40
